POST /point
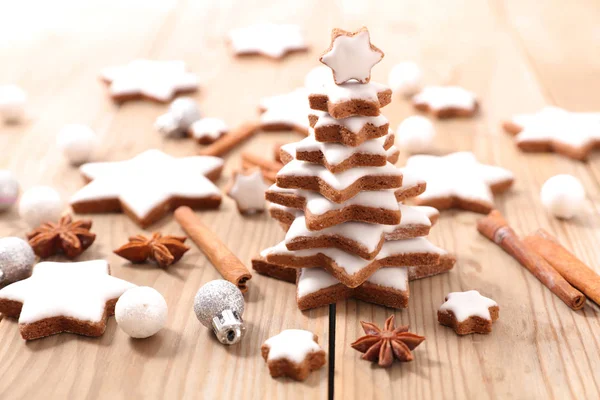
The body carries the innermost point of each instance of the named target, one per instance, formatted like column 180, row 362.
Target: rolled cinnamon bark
column 228, row 265
column 228, row 142
column 496, row 229
column 568, row 265
column 262, row 163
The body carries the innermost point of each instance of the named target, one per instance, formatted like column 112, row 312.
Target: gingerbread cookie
column 339, row 158
column 149, row 185
column 351, row 131
column 459, row 181
column 285, row 112
column 446, row 101
column 572, row 134
column 63, row 297
column 270, row 40
column 350, row 99
column 352, row 270
column 351, row 56
column 153, row 80
column 279, row 272
column 248, row 191
column 208, row 130
column 468, row 312
column 293, row 353
column 338, row 187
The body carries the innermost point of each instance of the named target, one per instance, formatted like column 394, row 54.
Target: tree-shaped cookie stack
column 339, row 195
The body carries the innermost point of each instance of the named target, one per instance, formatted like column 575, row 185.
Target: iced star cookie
column 63, row 297
column 339, row 158
column 293, row 353
column 351, row 131
column 446, row 101
column 270, row 40
column 149, row 185
column 287, row 111
column 572, row 134
column 352, row 270
column 248, row 191
column 208, row 130
column 468, row 312
column 351, row 56
column 338, row 187
column 153, row 80
column 458, row 180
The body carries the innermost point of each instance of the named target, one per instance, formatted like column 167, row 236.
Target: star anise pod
column 66, row 236
column 165, row 250
column 383, row 345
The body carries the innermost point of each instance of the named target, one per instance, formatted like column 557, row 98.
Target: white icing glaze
column 457, row 174
column 316, row 76
column 249, row 191
column 351, row 57
column 353, row 124
column 339, row 181
column 156, row 79
column 272, row 40
column 211, row 128
column 76, row 290
column 292, row 344
column 555, row 124
column 468, row 304
column 415, row 215
column 149, row 179
column 350, row 91
column 442, row 97
column 290, row 109
column 391, row 277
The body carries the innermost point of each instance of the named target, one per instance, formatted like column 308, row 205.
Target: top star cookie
column 351, row 55
column 270, row 40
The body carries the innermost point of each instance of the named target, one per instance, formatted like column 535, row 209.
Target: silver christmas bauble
column 9, row 189
column 16, row 260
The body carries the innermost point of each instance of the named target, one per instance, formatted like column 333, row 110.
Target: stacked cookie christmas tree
column 339, row 195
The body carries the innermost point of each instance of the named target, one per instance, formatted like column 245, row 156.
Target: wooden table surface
column 516, row 55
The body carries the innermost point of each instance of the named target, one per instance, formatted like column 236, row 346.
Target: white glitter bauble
column 40, row 204
column 9, row 189
column 183, row 112
column 77, row 142
column 12, row 103
column 405, row 78
column 141, row 312
column 16, row 260
column 415, row 134
column 563, row 196
column 317, row 76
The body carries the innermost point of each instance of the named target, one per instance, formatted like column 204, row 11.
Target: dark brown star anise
column 383, row 345
column 165, row 250
column 66, row 236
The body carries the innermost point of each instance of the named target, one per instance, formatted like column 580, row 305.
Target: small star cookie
column 351, row 55
column 208, row 130
column 446, row 101
column 468, row 312
column 458, row 180
column 293, row 353
column 287, row 111
column 248, row 191
column 572, row 134
column 153, row 80
column 270, row 40
column 63, row 297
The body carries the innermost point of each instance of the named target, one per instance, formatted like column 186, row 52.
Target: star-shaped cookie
column 208, row 130
column 446, row 101
column 351, row 55
column 270, row 40
column 149, row 185
column 293, row 353
column 287, row 111
column 248, row 191
column 153, row 80
column 63, row 297
column 572, row 134
column 468, row 312
column 458, row 180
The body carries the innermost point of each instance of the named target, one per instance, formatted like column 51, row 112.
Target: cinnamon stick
column 496, row 229
column 228, row 142
column 261, row 162
column 566, row 263
column 268, row 174
column 228, row 265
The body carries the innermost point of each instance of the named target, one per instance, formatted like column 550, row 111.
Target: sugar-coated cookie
column 208, row 130
column 563, row 196
column 351, row 131
column 149, row 185
column 270, row 40
column 63, row 297
column 293, row 353
column 248, row 191
column 468, row 312
column 446, row 101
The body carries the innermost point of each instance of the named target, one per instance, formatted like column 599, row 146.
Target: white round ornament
column 9, row 189
column 12, row 103
column 141, row 312
column 40, row 204
column 77, row 142
column 563, row 196
column 415, row 134
column 405, row 78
